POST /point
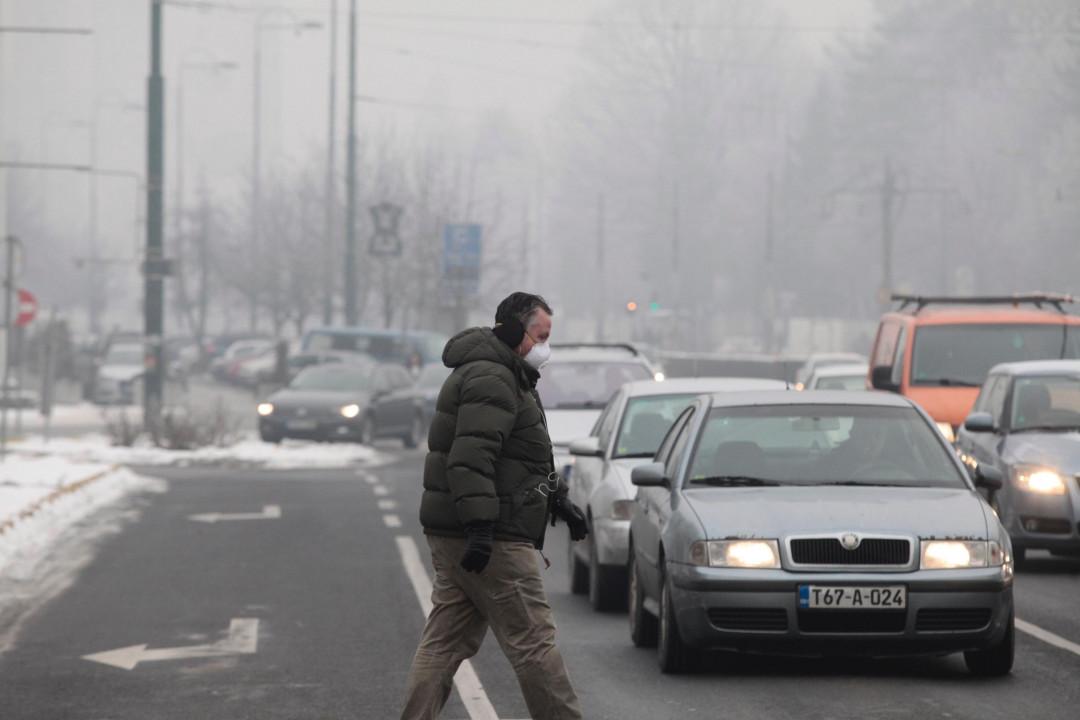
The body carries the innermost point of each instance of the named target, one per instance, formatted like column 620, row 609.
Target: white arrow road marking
column 243, row 639
column 269, row 512
column 468, row 685
column 1047, row 637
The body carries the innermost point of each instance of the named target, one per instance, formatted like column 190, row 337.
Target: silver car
column 1026, row 423
column 816, row 523
column 627, row 433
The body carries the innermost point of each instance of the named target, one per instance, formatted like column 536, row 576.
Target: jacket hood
column 480, row 344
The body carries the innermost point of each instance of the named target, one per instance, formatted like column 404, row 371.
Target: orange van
column 938, row 350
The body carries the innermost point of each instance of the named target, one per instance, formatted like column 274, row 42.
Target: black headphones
column 511, row 332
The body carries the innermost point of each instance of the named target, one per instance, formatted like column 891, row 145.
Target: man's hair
column 522, row 307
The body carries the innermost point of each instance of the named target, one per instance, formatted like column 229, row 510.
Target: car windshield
column 645, row 423
column 841, row 382
column 334, row 377
column 432, row 376
column 1046, row 403
column 821, row 445
column 579, row 385
column 124, row 356
column 962, row 355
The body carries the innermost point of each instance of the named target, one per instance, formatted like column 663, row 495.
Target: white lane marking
column 388, row 504
column 380, row 490
column 243, row 639
column 1047, row 637
column 468, row 684
column 392, row 521
column 269, row 512
column 369, row 478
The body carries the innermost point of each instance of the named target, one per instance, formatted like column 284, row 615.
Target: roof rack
column 1054, row 300
column 600, row 346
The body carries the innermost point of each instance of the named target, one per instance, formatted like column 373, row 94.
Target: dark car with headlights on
column 1026, row 423
column 816, row 523
column 324, row 402
column 405, row 412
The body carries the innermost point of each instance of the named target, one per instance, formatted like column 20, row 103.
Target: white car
column 577, row 383
column 224, row 368
column 117, row 378
column 627, row 434
column 822, row 360
column 839, row 377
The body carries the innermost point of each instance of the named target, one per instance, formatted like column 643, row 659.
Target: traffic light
column 631, row 306
column 654, row 306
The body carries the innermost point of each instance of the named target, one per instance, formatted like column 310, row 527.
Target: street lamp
column 262, row 23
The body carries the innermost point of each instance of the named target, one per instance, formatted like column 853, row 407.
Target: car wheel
column 415, row 434
column 607, row 590
column 997, row 660
column 642, row 623
column 1019, row 556
column 674, row 655
column 367, row 431
column 579, row 572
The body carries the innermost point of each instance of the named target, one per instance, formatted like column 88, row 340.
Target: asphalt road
column 338, row 618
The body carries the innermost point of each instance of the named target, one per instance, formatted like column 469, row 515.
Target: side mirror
column 881, row 379
column 586, row 447
column 989, row 477
column 649, row 475
column 979, row 422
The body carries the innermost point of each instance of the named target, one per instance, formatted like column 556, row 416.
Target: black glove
column 564, row 509
column 479, row 539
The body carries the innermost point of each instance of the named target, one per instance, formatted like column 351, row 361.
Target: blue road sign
column 461, row 259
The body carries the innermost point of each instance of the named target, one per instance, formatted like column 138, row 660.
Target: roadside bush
column 122, row 428
column 184, row 429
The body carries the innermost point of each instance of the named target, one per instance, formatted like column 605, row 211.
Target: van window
column 886, row 345
column 962, row 355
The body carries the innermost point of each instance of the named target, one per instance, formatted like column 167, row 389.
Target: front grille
column 946, row 619
column 871, row 551
column 852, row 621
column 760, row 619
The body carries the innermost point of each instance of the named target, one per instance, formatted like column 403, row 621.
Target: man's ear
column 511, row 333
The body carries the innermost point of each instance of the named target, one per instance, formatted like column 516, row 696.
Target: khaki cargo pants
column 509, row 597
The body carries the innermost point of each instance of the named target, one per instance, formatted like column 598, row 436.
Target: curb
column 52, row 497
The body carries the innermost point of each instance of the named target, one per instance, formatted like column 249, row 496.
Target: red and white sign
column 27, row 310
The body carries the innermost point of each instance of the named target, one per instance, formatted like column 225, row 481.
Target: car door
column 654, row 503
column 588, row 471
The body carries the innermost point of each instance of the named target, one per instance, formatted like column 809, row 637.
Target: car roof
column 869, row 398
column 842, row 370
column 1037, row 367
column 975, row 314
column 597, row 355
column 816, row 357
column 700, row 386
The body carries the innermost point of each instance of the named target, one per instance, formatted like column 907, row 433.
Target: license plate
column 848, row 597
column 301, row 425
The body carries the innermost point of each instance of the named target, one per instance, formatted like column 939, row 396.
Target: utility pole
column 888, row 199
column 351, row 310
column 9, row 337
column 331, row 185
column 154, row 267
column 770, row 279
column 256, row 166
column 601, row 285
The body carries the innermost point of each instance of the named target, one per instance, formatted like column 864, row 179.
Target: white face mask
column 539, row 355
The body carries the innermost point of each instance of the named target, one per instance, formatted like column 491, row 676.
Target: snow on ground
column 41, row 497
column 80, row 415
column 289, row 455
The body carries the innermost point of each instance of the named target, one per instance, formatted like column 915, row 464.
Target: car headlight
column 736, row 553
column 1039, row 480
column 947, row 430
column 265, row 409
column 659, row 377
column 953, row 554
column 350, row 411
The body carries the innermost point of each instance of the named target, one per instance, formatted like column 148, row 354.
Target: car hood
column 776, row 512
column 567, row 425
column 316, row 398
column 120, row 373
column 1059, row 450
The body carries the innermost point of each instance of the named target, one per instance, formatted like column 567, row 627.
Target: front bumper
column 320, row 429
column 1050, row 522
column 758, row 611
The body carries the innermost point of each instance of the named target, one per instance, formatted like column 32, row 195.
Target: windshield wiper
column 583, row 405
column 865, row 483
column 949, row 382
column 635, row 455
column 733, row 481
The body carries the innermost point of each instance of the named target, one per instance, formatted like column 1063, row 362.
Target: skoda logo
column 850, row 541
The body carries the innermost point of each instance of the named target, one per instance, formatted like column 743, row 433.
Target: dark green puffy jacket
column 489, row 448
